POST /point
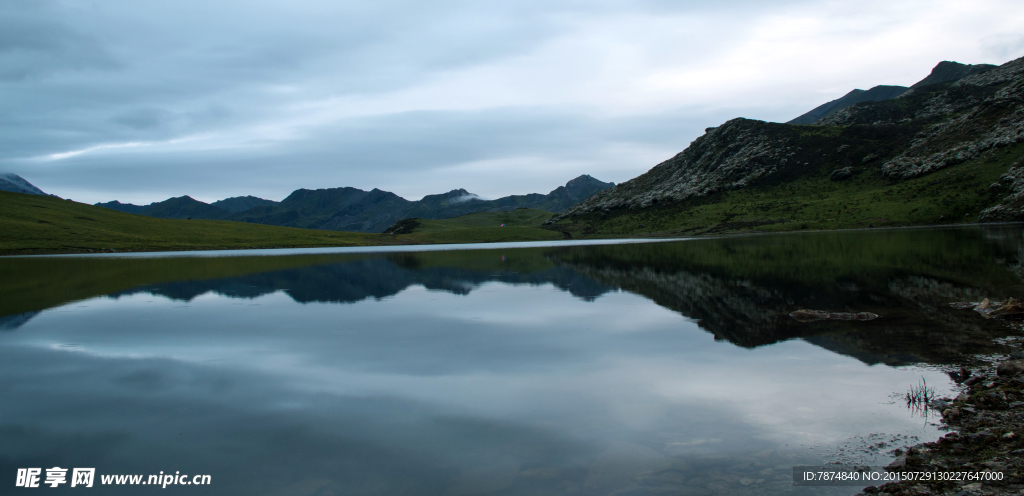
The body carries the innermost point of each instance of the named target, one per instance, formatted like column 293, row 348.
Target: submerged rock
column 815, row 315
column 1010, row 309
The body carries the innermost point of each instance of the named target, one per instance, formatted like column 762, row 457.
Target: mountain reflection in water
column 739, row 289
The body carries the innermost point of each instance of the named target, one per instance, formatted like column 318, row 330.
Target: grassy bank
column 40, row 224
column 33, row 224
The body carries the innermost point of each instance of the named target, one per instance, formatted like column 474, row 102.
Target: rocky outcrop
column 729, row 156
column 973, row 115
column 1011, row 208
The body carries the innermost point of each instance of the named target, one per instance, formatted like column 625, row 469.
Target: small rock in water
column 974, row 380
column 985, row 307
column 898, row 463
column 960, row 376
column 1012, row 308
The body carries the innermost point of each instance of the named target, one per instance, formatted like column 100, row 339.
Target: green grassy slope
column 33, row 224
column 42, row 224
column 810, row 200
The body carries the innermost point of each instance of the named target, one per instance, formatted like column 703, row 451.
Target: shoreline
column 395, row 242
column 986, row 424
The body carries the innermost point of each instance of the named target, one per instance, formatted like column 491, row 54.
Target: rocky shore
column 986, row 423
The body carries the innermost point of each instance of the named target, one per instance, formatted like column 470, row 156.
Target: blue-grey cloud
column 136, row 101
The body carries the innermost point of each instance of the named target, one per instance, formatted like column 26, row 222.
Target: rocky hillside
column 976, row 120
column 945, row 72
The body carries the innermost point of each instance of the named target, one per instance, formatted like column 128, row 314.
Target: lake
column 667, row 367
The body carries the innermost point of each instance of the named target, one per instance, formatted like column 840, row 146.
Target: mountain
column 461, row 202
column 352, row 209
column 182, row 207
column 944, row 72
column 948, row 71
column 873, row 163
column 15, row 184
column 852, row 98
column 338, row 209
column 125, row 207
column 241, row 203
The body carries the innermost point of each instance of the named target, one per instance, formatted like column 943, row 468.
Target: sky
column 142, row 101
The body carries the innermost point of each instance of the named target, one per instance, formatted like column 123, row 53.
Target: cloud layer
column 142, row 101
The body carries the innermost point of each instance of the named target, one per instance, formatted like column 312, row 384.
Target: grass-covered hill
column 35, row 224
column 44, row 224
column 938, row 154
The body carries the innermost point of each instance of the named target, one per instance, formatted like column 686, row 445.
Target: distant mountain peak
column 946, row 71
column 237, row 204
column 943, row 72
column 875, row 94
column 582, row 178
column 16, row 184
column 460, row 196
column 581, row 188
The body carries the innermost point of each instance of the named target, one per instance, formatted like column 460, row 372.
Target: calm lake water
column 628, row 369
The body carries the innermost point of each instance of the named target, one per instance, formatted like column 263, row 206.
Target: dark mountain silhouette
column 944, row 72
column 948, row 71
column 852, row 98
column 352, row 209
column 241, row 203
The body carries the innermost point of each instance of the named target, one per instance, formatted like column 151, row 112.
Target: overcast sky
column 141, row 101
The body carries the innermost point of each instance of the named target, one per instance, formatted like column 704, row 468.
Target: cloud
column 38, row 41
column 132, row 100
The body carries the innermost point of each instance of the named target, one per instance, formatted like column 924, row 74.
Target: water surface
column 642, row 368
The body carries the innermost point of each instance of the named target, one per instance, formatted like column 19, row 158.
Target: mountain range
column 944, row 72
column 352, row 209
